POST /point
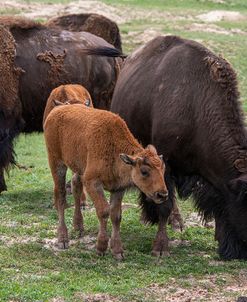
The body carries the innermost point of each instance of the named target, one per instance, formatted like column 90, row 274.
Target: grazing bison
column 99, row 148
column 36, row 59
column 179, row 96
column 93, row 23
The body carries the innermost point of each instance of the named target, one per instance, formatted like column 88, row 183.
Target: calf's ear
column 57, row 103
column 127, row 159
column 151, row 148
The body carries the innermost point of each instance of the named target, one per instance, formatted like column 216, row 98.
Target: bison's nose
column 161, row 195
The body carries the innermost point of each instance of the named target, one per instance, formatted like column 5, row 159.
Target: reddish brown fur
column 89, row 142
column 71, row 93
column 68, row 94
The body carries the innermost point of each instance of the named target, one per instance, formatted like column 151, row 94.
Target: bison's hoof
column 160, row 253
column 119, row 256
column 63, row 245
column 100, row 253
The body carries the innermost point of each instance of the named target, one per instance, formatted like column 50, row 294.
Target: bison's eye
column 144, row 172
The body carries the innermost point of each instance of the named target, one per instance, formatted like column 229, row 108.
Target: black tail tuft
column 105, row 52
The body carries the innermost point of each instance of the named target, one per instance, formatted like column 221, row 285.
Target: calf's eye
column 144, row 172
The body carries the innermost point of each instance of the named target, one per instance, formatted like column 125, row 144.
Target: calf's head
column 147, row 173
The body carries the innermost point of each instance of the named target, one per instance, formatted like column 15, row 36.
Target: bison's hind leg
column 77, row 190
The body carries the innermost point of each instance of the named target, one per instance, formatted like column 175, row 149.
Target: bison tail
column 152, row 213
column 104, row 51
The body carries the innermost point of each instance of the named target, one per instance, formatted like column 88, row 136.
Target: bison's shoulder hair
column 12, row 22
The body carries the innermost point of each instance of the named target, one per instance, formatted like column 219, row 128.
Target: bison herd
column 170, row 93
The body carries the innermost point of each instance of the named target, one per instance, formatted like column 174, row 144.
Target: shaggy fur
column 91, row 142
column 93, row 23
column 184, row 99
column 11, row 122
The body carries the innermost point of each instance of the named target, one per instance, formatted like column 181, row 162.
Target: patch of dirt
column 219, row 15
column 212, row 28
column 195, row 290
column 178, row 242
column 141, row 37
column 9, row 241
column 87, row 241
column 96, row 297
column 118, row 14
column 194, row 219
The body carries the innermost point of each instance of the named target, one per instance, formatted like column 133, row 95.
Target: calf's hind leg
column 59, row 175
column 116, row 215
column 77, row 189
column 95, row 190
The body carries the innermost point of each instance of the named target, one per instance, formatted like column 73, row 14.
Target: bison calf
column 99, row 148
column 64, row 95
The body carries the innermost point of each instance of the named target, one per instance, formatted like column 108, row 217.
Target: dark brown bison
column 179, row 96
column 93, row 23
column 35, row 59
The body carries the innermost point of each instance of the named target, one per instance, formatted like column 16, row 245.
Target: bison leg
column 3, row 186
column 59, row 174
column 116, row 215
column 160, row 244
column 77, row 189
column 175, row 219
column 95, row 190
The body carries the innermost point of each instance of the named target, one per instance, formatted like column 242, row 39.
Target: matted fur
column 93, row 23
column 11, row 122
column 12, row 22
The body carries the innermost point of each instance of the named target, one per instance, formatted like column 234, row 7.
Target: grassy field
column 31, row 269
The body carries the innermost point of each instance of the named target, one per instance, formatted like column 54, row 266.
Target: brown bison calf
column 68, row 94
column 99, row 148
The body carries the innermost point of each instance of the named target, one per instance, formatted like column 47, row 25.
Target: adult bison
column 34, row 60
column 179, row 96
column 94, row 23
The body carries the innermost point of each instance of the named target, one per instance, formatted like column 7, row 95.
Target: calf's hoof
column 156, row 253
column 118, row 256
column 63, row 245
column 101, row 247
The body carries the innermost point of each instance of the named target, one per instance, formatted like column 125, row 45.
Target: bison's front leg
column 175, row 219
column 160, row 245
column 116, row 215
column 3, row 186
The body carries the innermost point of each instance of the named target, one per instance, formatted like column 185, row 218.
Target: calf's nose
column 161, row 195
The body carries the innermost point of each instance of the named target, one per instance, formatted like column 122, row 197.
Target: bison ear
column 241, row 165
column 127, row 159
column 151, row 148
